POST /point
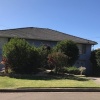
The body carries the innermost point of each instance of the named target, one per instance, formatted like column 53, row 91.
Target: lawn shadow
column 78, row 78
column 48, row 77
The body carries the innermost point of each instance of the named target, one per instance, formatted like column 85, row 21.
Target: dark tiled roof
column 42, row 34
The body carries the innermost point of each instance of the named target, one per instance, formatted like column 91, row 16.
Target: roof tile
column 42, row 34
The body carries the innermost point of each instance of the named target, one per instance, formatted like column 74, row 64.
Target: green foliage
column 70, row 49
column 58, row 60
column 43, row 50
column 72, row 70
column 95, row 57
column 95, row 60
column 22, row 57
column 98, row 57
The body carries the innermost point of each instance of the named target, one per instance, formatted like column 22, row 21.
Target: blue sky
column 76, row 17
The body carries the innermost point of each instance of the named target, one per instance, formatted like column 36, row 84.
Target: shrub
column 44, row 50
column 98, row 57
column 70, row 49
column 22, row 58
column 95, row 60
column 58, row 60
column 72, row 70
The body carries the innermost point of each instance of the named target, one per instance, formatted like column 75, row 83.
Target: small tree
column 21, row 57
column 95, row 60
column 58, row 60
column 82, row 70
column 70, row 49
column 98, row 57
column 44, row 50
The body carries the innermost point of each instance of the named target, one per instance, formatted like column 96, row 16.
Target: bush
column 43, row 51
column 95, row 60
column 98, row 57
column 21, row 57
column 72, row 70
column 70, row 49
column 58, row 60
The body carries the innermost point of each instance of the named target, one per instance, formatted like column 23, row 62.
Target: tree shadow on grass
column 48, row 77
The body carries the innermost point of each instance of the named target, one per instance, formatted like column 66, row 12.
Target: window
column 83, row 48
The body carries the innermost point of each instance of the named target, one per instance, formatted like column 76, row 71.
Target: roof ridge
column 15, row 28
column 61, row 37
column 23, row 28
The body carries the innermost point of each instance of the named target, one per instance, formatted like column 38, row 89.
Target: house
column 39, row 36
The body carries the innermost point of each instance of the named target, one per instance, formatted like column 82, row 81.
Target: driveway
column 96, row 79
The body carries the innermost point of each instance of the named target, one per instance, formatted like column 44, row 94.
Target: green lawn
column 6, row 82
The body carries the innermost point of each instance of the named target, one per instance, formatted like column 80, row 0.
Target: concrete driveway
column 96, row 79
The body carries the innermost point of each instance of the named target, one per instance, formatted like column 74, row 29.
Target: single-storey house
column 38, row 36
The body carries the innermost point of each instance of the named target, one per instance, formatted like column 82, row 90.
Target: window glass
column 83, row 48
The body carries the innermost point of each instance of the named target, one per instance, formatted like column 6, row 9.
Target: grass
column 37, row 81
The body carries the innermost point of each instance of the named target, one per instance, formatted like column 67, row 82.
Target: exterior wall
column 38, row 43
column 2, row 42
column 84, row 59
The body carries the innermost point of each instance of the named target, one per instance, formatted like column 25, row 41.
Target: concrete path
column 96, row 79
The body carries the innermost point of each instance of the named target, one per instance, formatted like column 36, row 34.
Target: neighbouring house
column 40, row 36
